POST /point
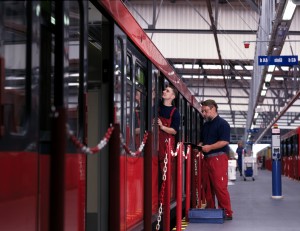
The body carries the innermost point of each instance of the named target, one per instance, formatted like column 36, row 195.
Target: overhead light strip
column 289, row 10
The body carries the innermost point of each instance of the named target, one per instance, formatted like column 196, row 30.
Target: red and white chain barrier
column 177, row 149
column 139, row 150
column 86, row 149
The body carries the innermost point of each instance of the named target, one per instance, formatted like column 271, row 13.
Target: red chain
column 140, row 149
column 92, row 150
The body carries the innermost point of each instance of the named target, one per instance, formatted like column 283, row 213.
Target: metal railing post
column 188, row 182
column 179, row 188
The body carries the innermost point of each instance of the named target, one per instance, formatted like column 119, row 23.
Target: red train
column 290, row 154
column 69, row 74
column 290, row 151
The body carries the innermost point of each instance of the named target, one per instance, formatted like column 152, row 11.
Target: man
column 240, row 152
column 168, row 121
column 214, row 139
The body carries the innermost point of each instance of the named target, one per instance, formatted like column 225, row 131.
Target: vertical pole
column 199, row 180
column 114, row 180
column 179, row 188
column 57, row 171
column 167, row 218
column 58, row 132
column 276, row 163
column 188, row 182
column 148, row 178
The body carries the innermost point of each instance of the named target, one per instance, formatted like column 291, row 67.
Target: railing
column 193, row 184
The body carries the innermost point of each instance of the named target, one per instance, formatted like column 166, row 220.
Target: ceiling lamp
column 289, row 10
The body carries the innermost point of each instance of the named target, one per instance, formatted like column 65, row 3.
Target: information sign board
column 284, row 60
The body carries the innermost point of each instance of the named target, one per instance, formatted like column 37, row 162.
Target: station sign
column 283, row 60
column 254, row 130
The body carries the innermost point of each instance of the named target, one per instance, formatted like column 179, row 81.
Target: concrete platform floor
column 255, row 209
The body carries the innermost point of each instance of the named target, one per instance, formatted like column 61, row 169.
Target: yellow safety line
column 184, row 224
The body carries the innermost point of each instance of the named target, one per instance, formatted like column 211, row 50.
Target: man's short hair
column 174, row 90
column 209, row 103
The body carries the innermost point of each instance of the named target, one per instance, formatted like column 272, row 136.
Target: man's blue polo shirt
column 213, row 131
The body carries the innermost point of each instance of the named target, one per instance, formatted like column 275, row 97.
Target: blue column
column 276, row 179
column 276, row 163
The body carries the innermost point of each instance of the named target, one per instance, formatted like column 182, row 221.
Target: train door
column 62, row 162
column 130, row 104
column 99, row 117
column 19, row 115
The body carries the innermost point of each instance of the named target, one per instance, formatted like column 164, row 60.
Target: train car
column 291, row 154
column 264, row 157
column 71, row 73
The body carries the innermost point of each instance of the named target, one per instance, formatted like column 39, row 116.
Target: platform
column 254, row 209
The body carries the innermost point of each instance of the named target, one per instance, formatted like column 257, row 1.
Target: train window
column 129, row 115
column 296, row 145
column 193, row 126
column 139, row 76
column 166, row 83
column 139, row 122
column 183, row 128
column 188, row 122
column 140, row 107
column 288, row 147
column 154, row 92
column 73, row 80
column 128, row 68
column 292, row 146
column 282, row 148
column 118, row 81
column 14, row 108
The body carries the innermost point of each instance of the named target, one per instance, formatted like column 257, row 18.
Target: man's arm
column 168, row 130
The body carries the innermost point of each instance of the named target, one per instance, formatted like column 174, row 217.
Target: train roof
column 119, row 12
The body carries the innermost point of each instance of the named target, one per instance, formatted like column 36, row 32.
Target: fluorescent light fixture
column 268, row 77
column 74, row 75
column 178, row 65
column 279, row 78
column 214, row 77
column 188, row 66
column 208, row 66
column 265, row 87
column 289, row 10
column 285, row 68
column 263, row 92
column 271, row 68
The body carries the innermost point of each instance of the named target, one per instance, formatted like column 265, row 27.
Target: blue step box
column 206, row 216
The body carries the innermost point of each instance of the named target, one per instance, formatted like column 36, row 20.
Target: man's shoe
column 228, row 217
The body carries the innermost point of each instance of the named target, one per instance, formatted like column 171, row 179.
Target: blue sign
column 254, row 130
column 284, row 60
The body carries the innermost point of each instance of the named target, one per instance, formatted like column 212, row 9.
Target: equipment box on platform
column 206, row 216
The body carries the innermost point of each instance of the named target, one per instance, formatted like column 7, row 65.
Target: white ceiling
column 183, row 32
